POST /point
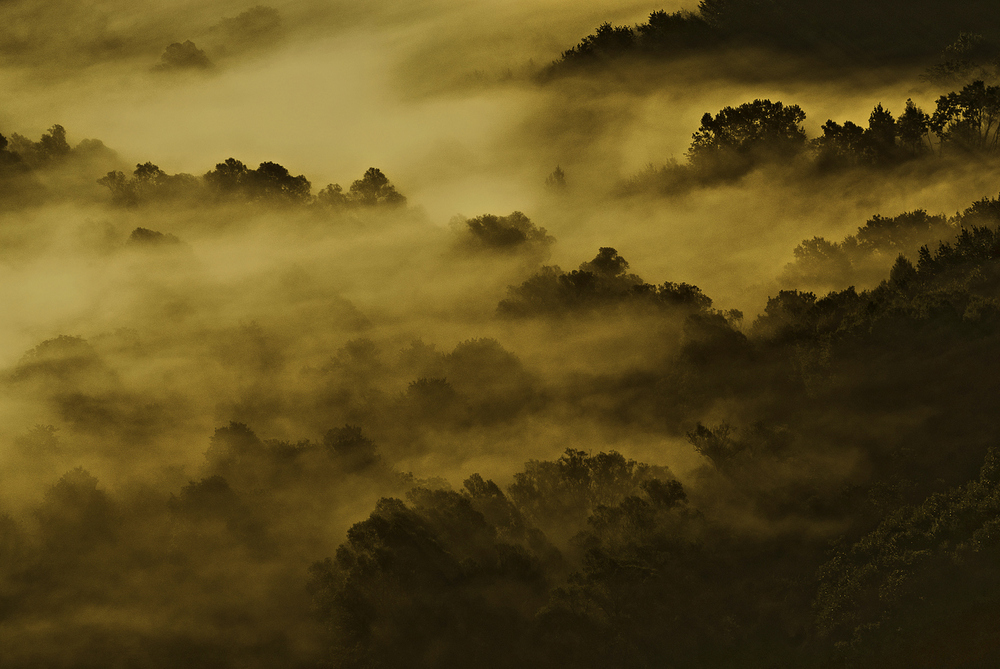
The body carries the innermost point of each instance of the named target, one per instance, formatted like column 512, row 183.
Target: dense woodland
column 251, row 470
column 842, row 34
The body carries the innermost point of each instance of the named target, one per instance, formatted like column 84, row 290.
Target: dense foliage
column 852, row 33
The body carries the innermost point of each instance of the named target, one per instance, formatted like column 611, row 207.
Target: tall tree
column 970, row 118
column 734, row 140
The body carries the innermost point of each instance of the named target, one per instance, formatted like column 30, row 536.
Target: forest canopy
column 852, row 34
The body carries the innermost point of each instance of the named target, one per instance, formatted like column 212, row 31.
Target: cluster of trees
column 737, row 140
column 971, row 57
column 11, row 163
column 270, row 182
column 52, row 147
column 842, row 512
column 886, row 141
column 50, row 150
column 232, row 181
column 257, row 28
column 663, row 34
column 478, row 383
column 372, row 189
column 963, row 122
column 863, row 258
column 22, row 160
column 594, row 560
column 970, row 118
column 927, row 570
column 506, row 233
column 597, row 284
column 486, row 552
column 147, row 182
column 852, row 33
column 84, row 540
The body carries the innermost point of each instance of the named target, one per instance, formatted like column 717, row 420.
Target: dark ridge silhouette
column 662, row 36
column 851, row 34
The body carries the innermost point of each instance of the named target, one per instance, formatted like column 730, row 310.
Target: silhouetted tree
column 787, row 315
column 601, row 282
column 969, row 58
column 556, row 180
column 407, row 573
column 730, row 143
column 914, row 129
column 880, row 138
column 607, row 42
column 507, row 232
column 123, row 190
column 969, row 119
column 272, row 182
column 76, row 516
column 148, row 183
column 351, row 448
column 332, row 195
column 228, row 177
column 374, row 189
column 51, row 147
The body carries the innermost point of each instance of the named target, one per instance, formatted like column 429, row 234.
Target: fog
column 218, row 381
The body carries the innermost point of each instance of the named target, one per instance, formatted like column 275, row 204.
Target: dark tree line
column 737, row 140
column 232, row 181
column 851, row 34
column 598, row 284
